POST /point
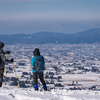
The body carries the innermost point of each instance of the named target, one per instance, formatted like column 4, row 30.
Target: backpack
column 39, row 63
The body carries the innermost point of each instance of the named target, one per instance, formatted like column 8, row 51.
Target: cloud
column 47, row 11
column 53, row 15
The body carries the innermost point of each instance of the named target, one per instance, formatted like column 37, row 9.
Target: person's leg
column 41, row 76
column 1, row 76
column 35, row 81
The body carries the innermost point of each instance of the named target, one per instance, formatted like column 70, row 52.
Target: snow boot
column 45, row 87
column 36, row 87
column 0, row 84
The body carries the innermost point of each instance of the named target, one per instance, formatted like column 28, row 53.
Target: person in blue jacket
column 38, row 67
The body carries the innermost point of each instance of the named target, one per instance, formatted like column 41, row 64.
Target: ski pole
column 6, row 70
column 16, row 75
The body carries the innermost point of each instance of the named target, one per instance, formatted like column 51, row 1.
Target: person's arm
column 6, row 60
column 7, row 52
column 2, row 57
column 33, row 61
column 9, row 61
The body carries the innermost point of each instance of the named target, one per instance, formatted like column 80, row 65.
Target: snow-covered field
column 75, row 68
column 14, row 93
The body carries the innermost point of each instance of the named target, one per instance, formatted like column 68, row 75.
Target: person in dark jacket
column 2, row 61
column 36, row 72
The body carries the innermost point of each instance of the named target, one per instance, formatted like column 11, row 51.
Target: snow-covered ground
column 63, row 61
column 14, row 93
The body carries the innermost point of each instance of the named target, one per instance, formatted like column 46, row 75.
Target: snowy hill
column 10, row 93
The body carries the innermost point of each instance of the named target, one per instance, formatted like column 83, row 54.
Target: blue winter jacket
column 33, row 64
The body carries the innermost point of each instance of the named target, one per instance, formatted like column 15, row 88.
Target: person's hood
column 36, row 51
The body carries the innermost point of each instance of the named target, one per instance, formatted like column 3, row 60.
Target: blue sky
column 63, row 16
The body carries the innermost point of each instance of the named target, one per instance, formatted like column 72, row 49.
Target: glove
column 8, row 52
column 12, row 60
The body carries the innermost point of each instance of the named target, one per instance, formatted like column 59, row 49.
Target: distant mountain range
column 89, row 36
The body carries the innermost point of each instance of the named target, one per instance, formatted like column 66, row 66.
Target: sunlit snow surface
column 9, row 93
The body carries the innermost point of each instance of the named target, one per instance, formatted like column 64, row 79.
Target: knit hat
column 1, row 45
column 36, row 51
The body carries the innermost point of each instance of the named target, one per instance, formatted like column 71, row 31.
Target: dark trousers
column 41, row 77
column 1, row 76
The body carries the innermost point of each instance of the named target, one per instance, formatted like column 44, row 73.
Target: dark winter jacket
column 3, row 59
